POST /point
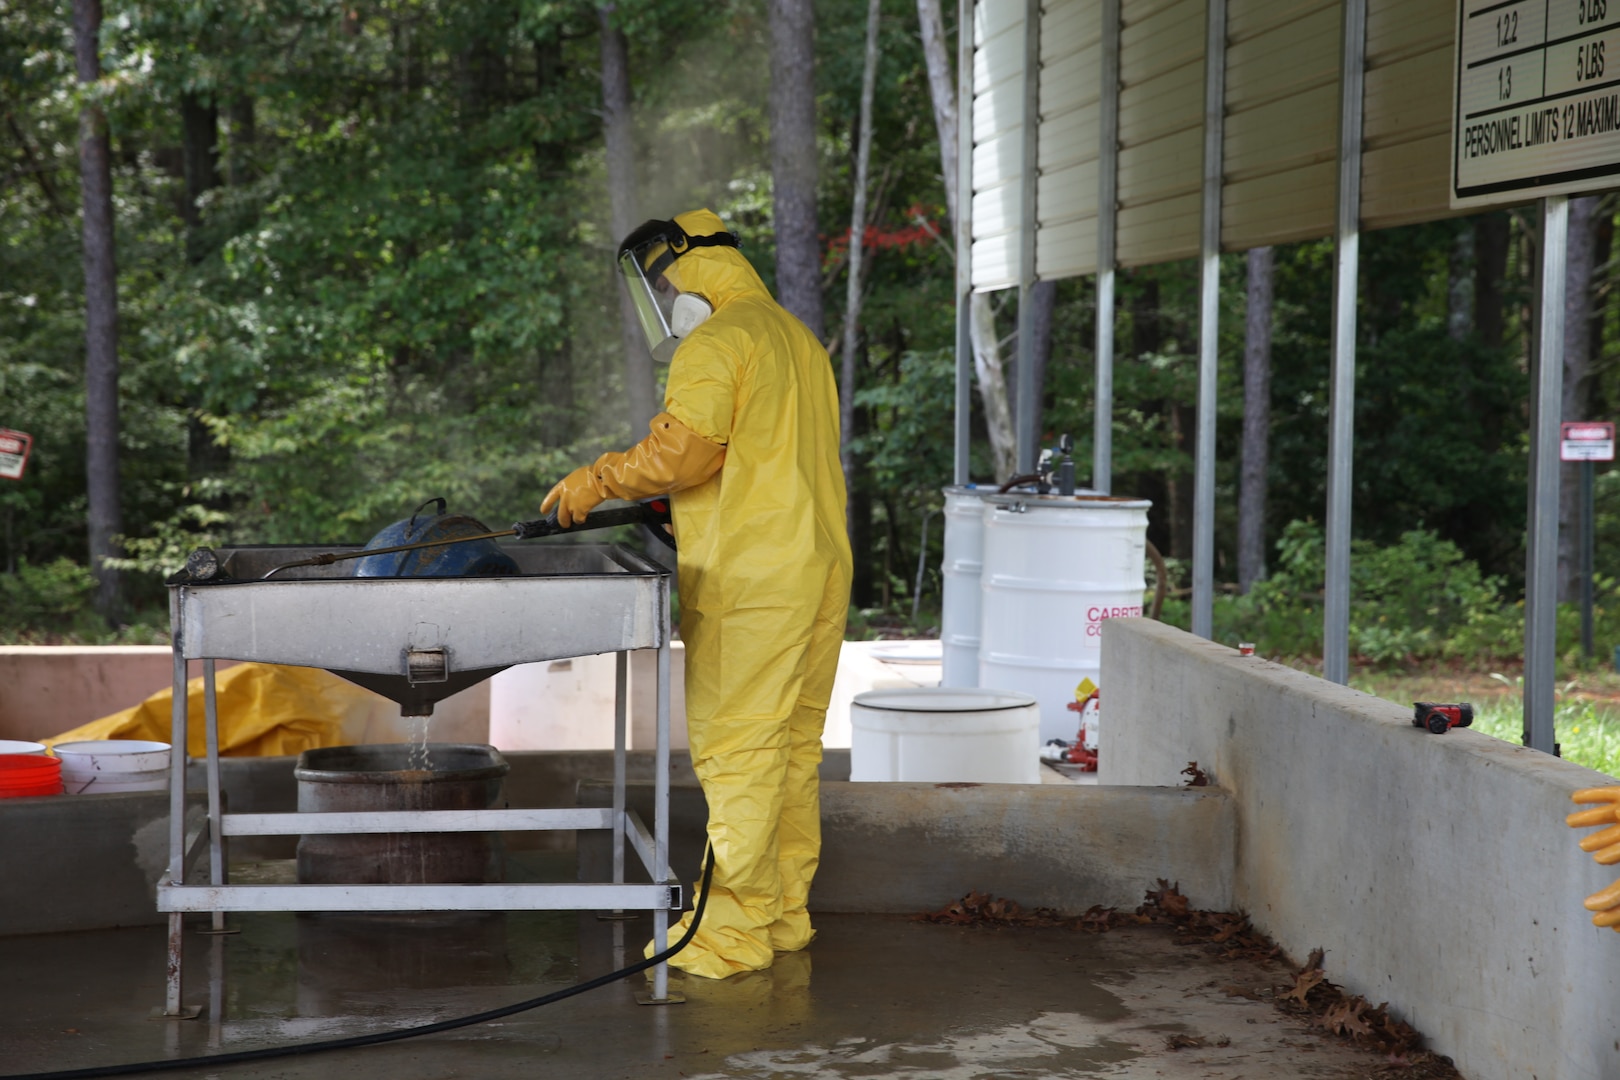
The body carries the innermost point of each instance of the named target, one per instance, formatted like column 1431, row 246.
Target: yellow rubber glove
column 671, row 458
column 1604, row 845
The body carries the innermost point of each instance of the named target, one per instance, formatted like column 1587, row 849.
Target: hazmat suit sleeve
column 671, row 458
column 702, row 388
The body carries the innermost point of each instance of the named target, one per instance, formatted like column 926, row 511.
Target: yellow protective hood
column 718, row 274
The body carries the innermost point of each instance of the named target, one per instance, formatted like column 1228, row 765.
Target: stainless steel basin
column 417, row 641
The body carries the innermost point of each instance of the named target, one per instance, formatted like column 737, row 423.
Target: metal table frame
column 620, row 604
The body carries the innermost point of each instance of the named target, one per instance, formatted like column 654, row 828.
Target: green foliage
column 399, row 285
column 1587, row 732
column 164, row 553
column 1420, row 598
column 49, row 598
column 908, row 443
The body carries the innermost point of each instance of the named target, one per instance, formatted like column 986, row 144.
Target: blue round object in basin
column 470, row 558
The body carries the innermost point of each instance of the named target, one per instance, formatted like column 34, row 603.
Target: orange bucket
column 24, row 775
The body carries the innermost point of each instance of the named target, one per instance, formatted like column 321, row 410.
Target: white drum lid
column 1080, row 500
column 929, row 699
column 936, row 716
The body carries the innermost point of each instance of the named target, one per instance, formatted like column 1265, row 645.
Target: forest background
column 363, row 256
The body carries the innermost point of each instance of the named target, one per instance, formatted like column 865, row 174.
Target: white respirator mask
column 647, row 260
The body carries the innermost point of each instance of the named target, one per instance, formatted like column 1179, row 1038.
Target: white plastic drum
column 1055, row 569
column 964, row 557
column 940, row 735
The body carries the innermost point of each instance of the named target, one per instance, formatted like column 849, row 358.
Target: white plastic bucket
column 943, row 735
column 105, row 765
column 959, row 612
column 19, row 746
column 101, row 784
column 1055, row 569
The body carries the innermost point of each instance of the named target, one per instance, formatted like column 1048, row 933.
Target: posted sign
column 1536, row 108
column 1586, row 441
column 14, row 448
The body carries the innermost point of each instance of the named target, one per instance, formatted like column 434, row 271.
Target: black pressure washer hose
column 377, row 1038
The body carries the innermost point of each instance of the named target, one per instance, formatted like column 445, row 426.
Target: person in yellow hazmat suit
column 748, row 444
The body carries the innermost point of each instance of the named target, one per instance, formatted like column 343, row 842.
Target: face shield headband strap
column 676, row 241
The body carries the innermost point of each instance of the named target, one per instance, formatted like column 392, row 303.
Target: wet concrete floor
column 874, row 996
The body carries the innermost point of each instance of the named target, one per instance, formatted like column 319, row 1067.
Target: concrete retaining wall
column 915, row 847
column 1435, row 870
column 564, row 705
column 48, row 689
column 905, row 848
column 85, row 863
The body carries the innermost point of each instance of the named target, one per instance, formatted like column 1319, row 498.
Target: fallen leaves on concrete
column 1308, row 993
column 977, row 908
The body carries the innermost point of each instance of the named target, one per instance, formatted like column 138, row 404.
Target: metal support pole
column 177, row 823
column 1587, row 524
column 1026, row 422
column 1102, row 447
column 964, row 238
column 216, row 991
column 1541, row 558
column 660, row 866
column 1209, row 322
column 619, row 824
column 216, row 832
column 1342, row 404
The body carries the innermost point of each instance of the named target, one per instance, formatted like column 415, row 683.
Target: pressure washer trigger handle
column 533, row 530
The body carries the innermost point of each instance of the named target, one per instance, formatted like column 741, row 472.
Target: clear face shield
column 647, row 260
column 652, row 294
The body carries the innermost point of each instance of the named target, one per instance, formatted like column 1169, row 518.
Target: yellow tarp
column 265, row 710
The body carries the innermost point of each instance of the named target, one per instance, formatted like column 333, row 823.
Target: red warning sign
column 1586, row 440
column 14, row 448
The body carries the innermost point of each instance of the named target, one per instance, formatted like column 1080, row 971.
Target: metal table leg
column 660, row 868
column 217, row 870
column 172, row 1009
column 619, row 694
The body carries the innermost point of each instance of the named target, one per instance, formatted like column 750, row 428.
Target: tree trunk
column 942, row 89
column 101, row 317
column 1183, row 432
column 861, row 591
column 239, row 115
column 1043, row 298
column 987, row 365
column 1577, row 389
column 1460, row 286
column 857, row 246
column 1256, row 421
column 793, row 161
column 1147, row 339
column 1491, row 239
column 641, row 388
column 987, row 361
column 199, row 146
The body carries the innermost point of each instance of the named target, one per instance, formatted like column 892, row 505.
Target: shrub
column 1418, row 599
column 49, row 598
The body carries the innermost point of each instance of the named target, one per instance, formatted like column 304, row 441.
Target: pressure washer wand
column 327, row 558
